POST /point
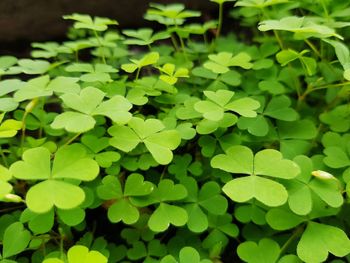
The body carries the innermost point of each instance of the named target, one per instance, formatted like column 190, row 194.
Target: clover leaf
column 171, row 76
column 158, row 141
column 148, row 59
column 267, row 251
column 302, row 27
column 336, row 150
column 92, row 73
column 122, row 209
column 208, row 198
column 338, row 118
column 172, row 14
column 16, row 239
column 166, row 213
column 144, row 36
column 269, row 162
column 88, row 103
column 286, row 56
column 9, row 127
column 86, row 22
column 221, row 62
column 70, row 162
column 319, row 239
column 153, row 249
column 303, row 188
column 186, row 254
column 219, row 102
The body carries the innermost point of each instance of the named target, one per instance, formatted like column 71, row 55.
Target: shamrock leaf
column 165, row 214
column 5, row 63
column 267, row 251
column 9, row 127
column 171, row 76
column 158, row 141
column 78, row 253
column 86, row 22
column 221, row 62
column 143, row 36
column 207, row 198
column 122, row 209
column 286, row 56
column 88, row 103
column 16, row 239
column 240, row 159
column 319, row 239
column 302, row 27
column 30, row 67
column 34, row 88
column 187, row 254
column 218, row 102
column 92, row 73
column 305, row 186
column 149, row 59
column 338, row 119
column 70, row 162
column 172, row 14
column 139, row 250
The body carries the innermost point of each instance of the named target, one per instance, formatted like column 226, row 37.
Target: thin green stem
column 3, row 157
column 220, row 19
column 72, row 139
column 295, row 235
column 137, row 73
column 101, row 46
column 314, row 49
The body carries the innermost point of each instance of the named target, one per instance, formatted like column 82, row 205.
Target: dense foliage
column 181, row 145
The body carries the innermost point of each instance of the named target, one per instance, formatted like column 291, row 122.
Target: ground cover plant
column 182, row 144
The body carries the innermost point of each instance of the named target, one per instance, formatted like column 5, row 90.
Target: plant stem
column 295, row 234
column 221, row 11
column 101, row 46
column 137, row 73
column 314, row 49
column 4, row 159
column 72, row 139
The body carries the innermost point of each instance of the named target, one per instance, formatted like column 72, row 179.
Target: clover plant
column 212, row 139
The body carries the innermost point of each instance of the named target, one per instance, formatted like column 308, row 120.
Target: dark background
column 26, row 21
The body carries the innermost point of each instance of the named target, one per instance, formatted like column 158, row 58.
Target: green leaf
column 16, row 239
column 282, row 219
column 158, row 141
column 303, row 27
column 79, row 254
column 319, row 239
column 246, row 188
column 37, row 87
column 221, row 62
column 266, row 251
column 70, row 162
column 86, row 22
column 165, row 215
column 279, row 108
column 187, row 254
column 57, row 193
column 75, row 122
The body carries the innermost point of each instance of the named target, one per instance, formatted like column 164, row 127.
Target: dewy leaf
column 158, row 141
column 16, row 239
column 81, row 254
column 71, row 162
column 246, row 188
column 266, row 251
column 319, row 239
